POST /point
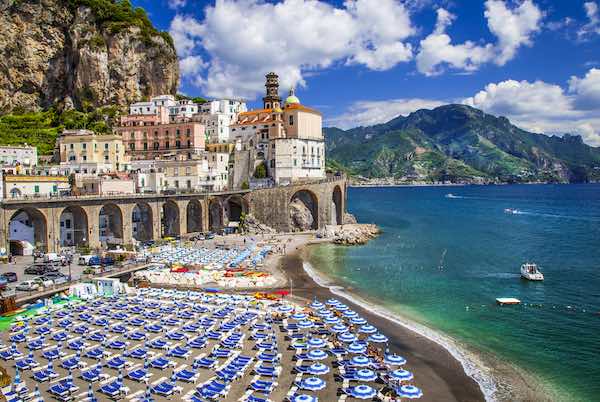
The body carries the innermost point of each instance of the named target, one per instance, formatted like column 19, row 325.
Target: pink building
column 152, row 136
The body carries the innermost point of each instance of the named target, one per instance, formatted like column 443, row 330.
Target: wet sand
column 436, row 371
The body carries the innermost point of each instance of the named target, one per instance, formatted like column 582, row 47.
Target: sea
column 446, row 254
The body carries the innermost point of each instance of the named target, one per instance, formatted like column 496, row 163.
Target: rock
column 301, row 216
column 52, row 52
column 349, row 234
column 349, row 219
column 251, row 225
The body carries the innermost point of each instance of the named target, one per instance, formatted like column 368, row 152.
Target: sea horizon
column 462, row 318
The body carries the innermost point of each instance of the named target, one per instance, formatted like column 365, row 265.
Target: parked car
column 10, row 276
column 3, row 283
column 93, row 270
column 210, row 235
column 57, row 278
column 85, row 259
column 56, row 258
column 36, row 269
column 32, row 285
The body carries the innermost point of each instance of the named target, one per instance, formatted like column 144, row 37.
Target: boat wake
column 450, row 195
column 554, row 216
column 471, row 367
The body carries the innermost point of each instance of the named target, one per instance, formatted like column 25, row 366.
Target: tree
column 261, row 171
column 245, row 185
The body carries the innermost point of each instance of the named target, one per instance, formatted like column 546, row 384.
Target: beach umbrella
column 304, row 398
column 312, row 384
column 367, row 329
column 347, row 337
column 90, row 394
column 318, row 369
column 120, row 378
column 36, row 394
column 358, row 321
column 317, row 304
column 360, row 361
column 317, row 354
column 356, row 348
column 339, row 328
column 363, row 391
column 366, row 375
column 331, row 320
column 305, row 324
column 394, row 360
column 341, row 307
column 17, row 379
column 333, row 302
column 316, row 343
column 378, row 338
column 298, row 316
column 401, row 375
column 409, row 392
column 350, row 314
column 285, row 309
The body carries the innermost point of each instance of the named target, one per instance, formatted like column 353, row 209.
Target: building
column 17, row 186
column 18, row 156
column 153, row 106
column 105, row 184
column 286, row 136
column 217, row 116
column 183, row 109
column 151, row 139
column 86, row 147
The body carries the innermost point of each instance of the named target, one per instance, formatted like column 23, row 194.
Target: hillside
column 460, row 144
column 81, row 54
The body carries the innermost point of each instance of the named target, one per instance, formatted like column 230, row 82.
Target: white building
column 183, row 109
column 152, row 107
column 16, row 186
column 22, row 155
column 217, row 116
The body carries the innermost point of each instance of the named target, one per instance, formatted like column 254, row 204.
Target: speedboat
column 531, row 272
column 511, row 211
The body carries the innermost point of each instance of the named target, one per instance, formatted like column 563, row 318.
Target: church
column 287, row 137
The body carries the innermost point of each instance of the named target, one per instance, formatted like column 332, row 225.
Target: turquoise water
column 444, row 261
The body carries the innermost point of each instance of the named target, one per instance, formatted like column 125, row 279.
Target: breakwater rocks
column 352, row 234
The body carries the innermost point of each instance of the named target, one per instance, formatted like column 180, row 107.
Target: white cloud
column 593, row 25
column 368, row 113
column 191, row 65
column 247, row 38
column 538, row 106
column 513, row 28
column 175, row 4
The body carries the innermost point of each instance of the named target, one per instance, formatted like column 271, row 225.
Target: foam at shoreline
column 470, row 364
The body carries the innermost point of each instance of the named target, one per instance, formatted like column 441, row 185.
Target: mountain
column 81, row 54
column 460, row 144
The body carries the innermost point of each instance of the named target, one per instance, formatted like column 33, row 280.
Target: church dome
column 292, row 98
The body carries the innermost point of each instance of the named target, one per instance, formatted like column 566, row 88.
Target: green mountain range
column 460, row 144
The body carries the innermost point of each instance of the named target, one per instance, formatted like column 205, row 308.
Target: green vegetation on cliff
column 460, row 144
column 116, row 15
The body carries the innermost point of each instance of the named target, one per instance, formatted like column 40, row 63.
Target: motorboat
column 511, row 211
column 531, row 272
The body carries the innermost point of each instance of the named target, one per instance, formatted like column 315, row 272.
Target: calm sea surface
column 443, row 261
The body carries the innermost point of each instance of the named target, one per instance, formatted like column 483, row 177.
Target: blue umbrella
column 366, row 375
column 316, row 343
column 317, row 354
column 17, row 379
column 360, row 361
column 350, row 313
column 312, row 384
column 331, row 320
column 285, row 309
column 339, row 328
column 378, row 338
column 401, row 375
column 347, row 337
column 362, row 392
column 356, row 348
column 317, row 304
column 333, row 302
column 367, row 329
column 409, row 392
column 358, row 321
column 324, row 312
column 298, row 316
column 36, row 393
column 394, row 360
column 90, row 394
column 305, row 324
column 304, row 398
column 341, row 307
column 318, row 369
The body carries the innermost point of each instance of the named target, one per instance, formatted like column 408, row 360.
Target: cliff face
column 55, row 52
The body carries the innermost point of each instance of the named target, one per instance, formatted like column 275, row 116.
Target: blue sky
column 366, row 61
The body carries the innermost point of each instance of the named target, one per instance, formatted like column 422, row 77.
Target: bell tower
column 272, row 99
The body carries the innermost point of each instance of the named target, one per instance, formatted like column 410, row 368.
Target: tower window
column 291, row 120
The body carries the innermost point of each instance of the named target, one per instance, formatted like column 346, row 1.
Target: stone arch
column 170, row 219
column 337, row 209
column 28, row 227
column 142, row 221
column 74, row 226
column 194, row 216
column 304, row 211
column 235, row 206
column 215, row 214
column 110, row 226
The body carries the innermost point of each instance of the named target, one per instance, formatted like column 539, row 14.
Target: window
column 156, row 133
column 189, row 144
column 189, row 184
column 133, row 136
column 188, row 132
column 68, row 223
column 167, row 145
column 145, row 146
column 176, row 183
column 84, row 145
column 178, row 144
column 291, row 120
column 143, row 182
column 71, row 146
column 106, row 157
column 177, row 132
column 132, row 146
column 188, row 171
column 295, row 163
column 84, row 158
column 156, row 145
column 36, row 188
column 106, row 146
column 176, row 171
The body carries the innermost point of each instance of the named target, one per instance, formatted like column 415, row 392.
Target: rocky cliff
column 81, row 53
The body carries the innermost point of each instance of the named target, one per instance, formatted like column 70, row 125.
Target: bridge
column 95, row 221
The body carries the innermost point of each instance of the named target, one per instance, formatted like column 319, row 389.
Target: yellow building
column 86, row 147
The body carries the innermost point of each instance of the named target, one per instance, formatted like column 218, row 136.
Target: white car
column 32, row 285
column 85, row 259
column 55, row 258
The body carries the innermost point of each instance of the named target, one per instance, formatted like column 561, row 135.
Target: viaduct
column 158, row 215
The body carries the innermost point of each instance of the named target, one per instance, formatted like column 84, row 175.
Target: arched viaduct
column 96, row 221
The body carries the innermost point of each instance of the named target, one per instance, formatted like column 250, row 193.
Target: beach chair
column 93, row 375
column 165, row 389
column 187, row 375
column 266, row 387
column 139, row 375
column 114, row 390
column 161, row 363
column 117, row 363
column 95, row 353
column 44, row 374
column 138, row 353
column 70, row 363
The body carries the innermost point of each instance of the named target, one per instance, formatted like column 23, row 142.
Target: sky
column 362, row 62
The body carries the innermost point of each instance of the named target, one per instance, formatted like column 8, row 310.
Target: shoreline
column 444, row 368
